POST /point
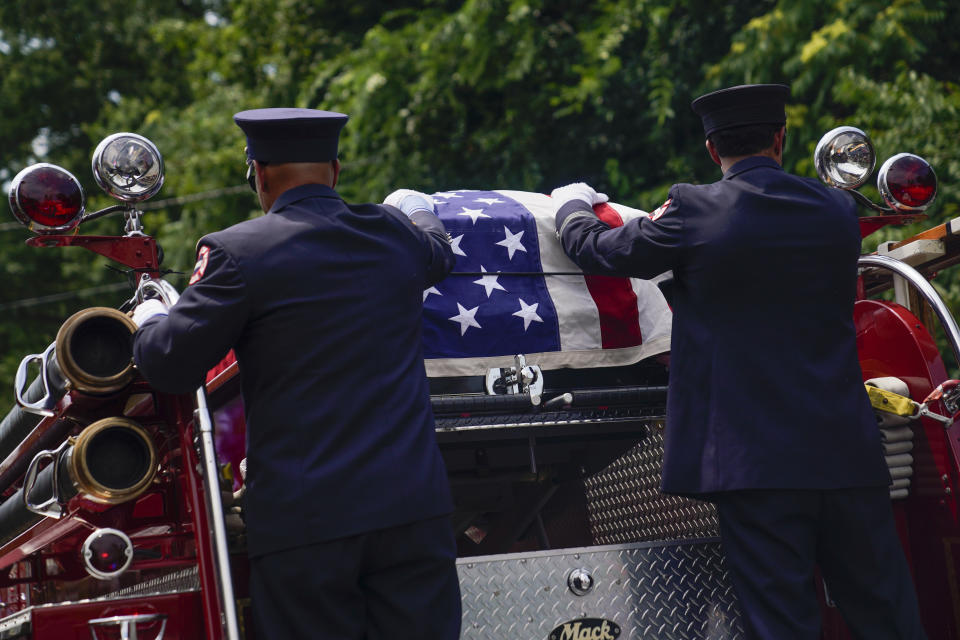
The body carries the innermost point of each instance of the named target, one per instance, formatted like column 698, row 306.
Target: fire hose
column 92, row 353
column 110, row 462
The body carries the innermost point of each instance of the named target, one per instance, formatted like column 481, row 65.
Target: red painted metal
column 194, row 495
column 137, row 252
column 70, row 621
column 893, row 342
column 870, row 224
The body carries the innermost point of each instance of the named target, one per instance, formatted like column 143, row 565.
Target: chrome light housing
column 46, row 198
column 128, row 167
column 107, row 553
column 845, row 158
column 907, row 182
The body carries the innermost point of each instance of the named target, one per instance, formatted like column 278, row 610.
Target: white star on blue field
column 489, row 312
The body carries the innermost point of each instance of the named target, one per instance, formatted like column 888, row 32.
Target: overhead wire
column 66, row 295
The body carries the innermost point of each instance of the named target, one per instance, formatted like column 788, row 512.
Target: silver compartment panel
column 673, row 590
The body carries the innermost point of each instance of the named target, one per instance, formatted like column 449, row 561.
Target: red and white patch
column 659, row 212
column 202, row 257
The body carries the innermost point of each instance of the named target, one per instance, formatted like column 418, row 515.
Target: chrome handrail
column 926, row 289
column 163, row 290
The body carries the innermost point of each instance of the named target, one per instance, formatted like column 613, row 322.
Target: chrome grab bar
column 127, row 625
column 926, row 289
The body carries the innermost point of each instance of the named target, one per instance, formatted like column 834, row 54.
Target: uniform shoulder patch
column 661, row 209
column 203, row 256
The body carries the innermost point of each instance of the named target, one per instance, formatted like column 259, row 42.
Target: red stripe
column 615, row 299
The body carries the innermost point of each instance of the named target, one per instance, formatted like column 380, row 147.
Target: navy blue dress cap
column 291, row 135
column 742, row 105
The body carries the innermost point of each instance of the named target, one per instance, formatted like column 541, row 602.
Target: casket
column 541, row 375
column 514, row 290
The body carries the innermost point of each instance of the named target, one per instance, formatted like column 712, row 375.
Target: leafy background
column 517, row 94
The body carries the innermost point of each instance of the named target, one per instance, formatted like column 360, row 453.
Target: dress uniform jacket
column 322, row 302
column 765, row 389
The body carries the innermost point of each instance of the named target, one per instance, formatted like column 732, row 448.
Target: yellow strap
column 891, row 402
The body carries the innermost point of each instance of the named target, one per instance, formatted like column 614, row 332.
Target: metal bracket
column 949, row 393
column 53, row 507
column 133, row 226
column 924, row 412
column 521, row 378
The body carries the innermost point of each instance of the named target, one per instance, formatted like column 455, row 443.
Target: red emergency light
column 907, row 182
column 107, row 553
column 47, row 198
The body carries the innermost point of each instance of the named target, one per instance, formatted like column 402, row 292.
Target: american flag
column 510, row 304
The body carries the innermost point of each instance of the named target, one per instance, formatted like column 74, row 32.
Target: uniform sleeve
column 436, row 241
column 644, row 247
column 174, row 352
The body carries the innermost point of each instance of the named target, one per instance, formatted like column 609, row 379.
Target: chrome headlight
column 845, row 157
column 128, row 167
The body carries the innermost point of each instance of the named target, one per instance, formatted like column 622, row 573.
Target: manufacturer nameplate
column 586, row 629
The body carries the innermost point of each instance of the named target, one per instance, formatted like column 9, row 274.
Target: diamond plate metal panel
column 669, row 591
column 625, row 503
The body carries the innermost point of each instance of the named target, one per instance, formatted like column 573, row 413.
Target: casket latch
column 521, row 378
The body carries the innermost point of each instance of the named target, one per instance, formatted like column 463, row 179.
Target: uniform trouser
column 773, row 539
column 398, row 583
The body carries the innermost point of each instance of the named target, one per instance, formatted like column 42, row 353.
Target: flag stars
column 489, row 201
column 447, row 194
column 528, row 312
column 466, row 318
column 473, row 214
column 455, row 245
column 512, row 242
column 427, row 292
column 489, row 283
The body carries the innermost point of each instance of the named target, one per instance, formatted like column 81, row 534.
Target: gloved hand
column 408, row 201
column 577, row 191
column 148, row 309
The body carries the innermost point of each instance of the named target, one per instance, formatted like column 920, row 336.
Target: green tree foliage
column 522, row 94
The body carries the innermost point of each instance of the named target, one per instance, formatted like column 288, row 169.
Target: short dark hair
column 745, row 140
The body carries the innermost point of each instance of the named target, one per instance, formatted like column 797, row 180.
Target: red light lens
column 109, row 553
column 911, row 181
column 106, row 553
column 47, row 198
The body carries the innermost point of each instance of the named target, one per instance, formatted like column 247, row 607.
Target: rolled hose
column 93, row 353
column 111, row 461
column 18, row 423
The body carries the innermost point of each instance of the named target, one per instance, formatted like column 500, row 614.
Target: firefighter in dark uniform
column 347, row 497
column 766, row 415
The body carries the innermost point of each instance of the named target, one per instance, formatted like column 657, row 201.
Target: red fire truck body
column 121, row 507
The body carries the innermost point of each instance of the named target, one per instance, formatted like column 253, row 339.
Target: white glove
column 408, row 201
column 148, row 309
column 577, row 191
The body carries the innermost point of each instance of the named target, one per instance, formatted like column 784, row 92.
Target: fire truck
column 121, row 508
